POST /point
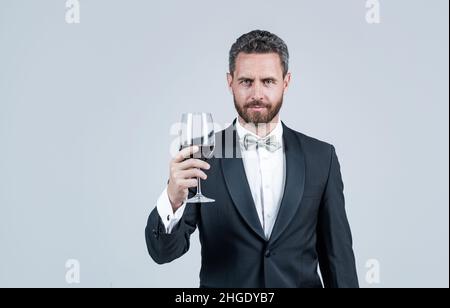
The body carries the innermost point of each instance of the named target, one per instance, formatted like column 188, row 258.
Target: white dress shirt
column 265, row 173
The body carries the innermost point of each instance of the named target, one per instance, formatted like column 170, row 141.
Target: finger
column 193, row 163
column 188, row 183
column 185, row 153
column 193, row 173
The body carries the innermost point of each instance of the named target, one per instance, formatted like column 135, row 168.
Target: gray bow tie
column 270, row 143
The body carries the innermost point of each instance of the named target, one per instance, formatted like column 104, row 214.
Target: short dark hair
column 259, row 41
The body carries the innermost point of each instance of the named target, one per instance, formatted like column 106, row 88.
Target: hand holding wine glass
column 183, row 174
column 197, row 143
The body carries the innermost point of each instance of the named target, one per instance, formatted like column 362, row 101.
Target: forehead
column 258, row 64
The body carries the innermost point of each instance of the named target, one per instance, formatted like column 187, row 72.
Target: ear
column 229, row 81
column 287, row 81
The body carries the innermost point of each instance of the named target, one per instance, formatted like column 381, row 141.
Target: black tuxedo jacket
column 311, row 227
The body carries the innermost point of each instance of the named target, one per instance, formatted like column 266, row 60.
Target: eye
column 246, row 82
column 269, row 81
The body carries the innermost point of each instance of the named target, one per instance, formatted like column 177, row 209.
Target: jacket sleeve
column 334, row 239
column 163, row 247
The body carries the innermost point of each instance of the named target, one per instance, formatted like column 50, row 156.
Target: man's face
column 258, row 86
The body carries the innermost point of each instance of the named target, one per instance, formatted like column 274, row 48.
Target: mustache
column 256, row 104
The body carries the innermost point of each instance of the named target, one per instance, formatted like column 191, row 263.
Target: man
column 279, row 209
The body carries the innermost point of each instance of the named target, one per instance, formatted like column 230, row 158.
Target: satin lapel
column 236, row 181
column 294, row 183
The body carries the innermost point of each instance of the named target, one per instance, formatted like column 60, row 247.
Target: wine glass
column 198, row 129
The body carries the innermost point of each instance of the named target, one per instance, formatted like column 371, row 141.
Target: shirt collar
column 277, row 131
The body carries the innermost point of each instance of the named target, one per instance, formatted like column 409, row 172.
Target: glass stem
column 199, row 187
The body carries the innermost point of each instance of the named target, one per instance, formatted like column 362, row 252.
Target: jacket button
column 267, row 253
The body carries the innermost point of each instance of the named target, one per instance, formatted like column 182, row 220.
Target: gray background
column 86, row 111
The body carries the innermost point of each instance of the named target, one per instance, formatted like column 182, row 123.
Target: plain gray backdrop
column 86, row 111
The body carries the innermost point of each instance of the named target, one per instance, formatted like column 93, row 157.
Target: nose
column 257, row 94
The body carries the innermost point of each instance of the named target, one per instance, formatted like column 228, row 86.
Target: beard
column 264, row 115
